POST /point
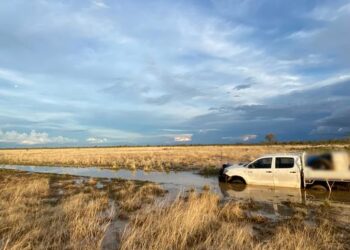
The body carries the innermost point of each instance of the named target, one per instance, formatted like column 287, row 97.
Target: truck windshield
column 261, row 163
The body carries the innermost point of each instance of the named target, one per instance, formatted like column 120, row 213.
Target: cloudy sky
column 111, row 72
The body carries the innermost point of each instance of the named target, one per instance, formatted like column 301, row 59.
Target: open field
column 41, row 211
column 148, row 158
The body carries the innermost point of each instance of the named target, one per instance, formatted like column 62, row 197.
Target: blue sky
column 105, row 72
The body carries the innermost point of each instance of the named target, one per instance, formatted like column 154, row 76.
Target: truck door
column 286, row 172
column 260, row 172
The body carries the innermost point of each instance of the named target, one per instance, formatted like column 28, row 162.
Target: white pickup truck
column 297, row 170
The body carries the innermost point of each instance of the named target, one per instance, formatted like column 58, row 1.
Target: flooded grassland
column 204, row 158
column 60, row 211
column 43, row 211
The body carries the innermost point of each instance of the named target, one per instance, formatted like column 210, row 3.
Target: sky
column 103, row 72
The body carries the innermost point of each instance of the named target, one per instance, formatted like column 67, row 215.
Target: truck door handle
column 292, row 172
column 269, row 172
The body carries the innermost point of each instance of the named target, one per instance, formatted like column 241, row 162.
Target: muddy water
column 176, row 182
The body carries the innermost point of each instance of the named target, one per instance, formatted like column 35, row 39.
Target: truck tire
column 237, row 180
column 319, row 188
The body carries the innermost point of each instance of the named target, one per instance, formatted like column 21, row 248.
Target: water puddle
column 99, row 185
column 183, row 178
column 181, row 181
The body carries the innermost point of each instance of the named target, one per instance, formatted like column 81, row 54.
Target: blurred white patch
column 206, row 130
column 99, row 4
column 96, row 140
column 183, row 138
column 242, row 138
column 248, row 137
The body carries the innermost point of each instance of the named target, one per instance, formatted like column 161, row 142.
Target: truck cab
column 283, row 170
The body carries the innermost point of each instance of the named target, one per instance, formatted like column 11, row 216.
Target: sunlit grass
column 208, row 158
column 49, row 212
column 201, row 222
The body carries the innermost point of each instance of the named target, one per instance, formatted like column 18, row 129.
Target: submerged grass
column 201, row 222
column 50, row 212
column 30, row 222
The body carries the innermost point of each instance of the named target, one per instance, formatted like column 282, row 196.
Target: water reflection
column 280, row 195
column 276, row 203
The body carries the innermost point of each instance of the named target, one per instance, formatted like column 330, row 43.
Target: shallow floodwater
column 176, row 182
column 185, row 179
column 274, row 204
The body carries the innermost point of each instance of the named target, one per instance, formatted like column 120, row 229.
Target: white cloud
column 242, row 138
column 329, row 81
column 12, row 76
column 206, row 130
column 96, row 140
column 303, row 34
column 173, row 130
column 99, row 4
column 183, row 138
column 329, row 13
column 212, row 36
column 32, row 138
column 248, row 137
column 114, row 134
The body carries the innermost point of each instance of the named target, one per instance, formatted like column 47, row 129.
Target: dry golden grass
column 200, row 222
column 29, row 222
column 34, row 215
column 132, row 197
column 297, row 235
column 148, row 158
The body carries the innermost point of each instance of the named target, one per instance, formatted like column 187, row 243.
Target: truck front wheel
column 237, row 180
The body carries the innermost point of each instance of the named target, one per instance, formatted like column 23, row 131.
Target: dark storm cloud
column 339, row 119
column 321, row 109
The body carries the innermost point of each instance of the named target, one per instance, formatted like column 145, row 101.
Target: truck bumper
column 223, row 177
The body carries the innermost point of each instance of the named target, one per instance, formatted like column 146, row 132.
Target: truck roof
column 283, row 155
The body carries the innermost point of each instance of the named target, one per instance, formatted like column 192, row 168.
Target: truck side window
column 262, row 163
column 284, row 162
